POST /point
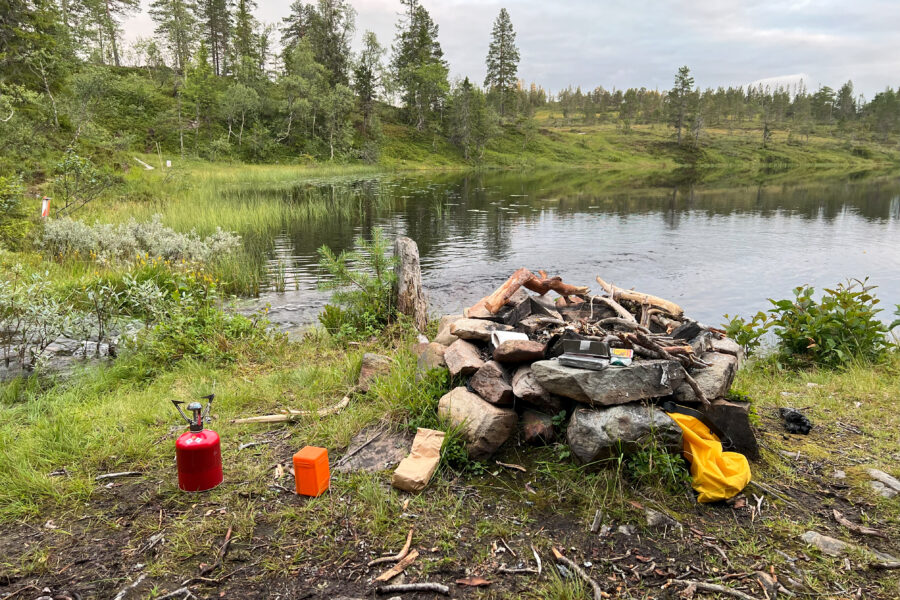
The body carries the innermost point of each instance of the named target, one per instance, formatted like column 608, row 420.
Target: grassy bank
column 113, row 418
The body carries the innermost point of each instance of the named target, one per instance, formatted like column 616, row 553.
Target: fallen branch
column 182, row 591
column 291, row 414
column 617, row 308
column 124, row 591
column 512, row 466
column 653, row 301
column 713, row 587
column 544, row 284
column 399, row 567
column 886, row 565
column 223, row 550
column 618, row 321
column 598, row 592
column 395, row 557
column 857, row 528
column 523, row 278
column 401, row 588
column 117, row 475
column 508, row 571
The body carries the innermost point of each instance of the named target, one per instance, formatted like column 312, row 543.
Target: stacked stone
column 612, row 410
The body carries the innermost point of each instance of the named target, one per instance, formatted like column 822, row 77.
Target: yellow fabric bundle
column 717, row 475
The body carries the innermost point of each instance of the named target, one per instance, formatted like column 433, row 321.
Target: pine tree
column 471, row 120
column 245, row 47
column 418, row 64
column 367, row 76
column 679, row 97
column 176, row 24
column 502, row 62
column 295, row 26
column 214, row 17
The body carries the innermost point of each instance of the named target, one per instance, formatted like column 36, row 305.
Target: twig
column 400, row 588
column 182, row 591
column 117, row 475
column 537, row 559
column 886, row 565
column 124, row 591
column 347, row 456
column 512, row 466
column 617, row 308
column 712, row 587
column 613, row 321
column 396, row 557
column 598, row 592
column 252, row 444
column 857, row 528
column 771, row 491
column 291, row 414
column 719, row 550
column 511, row 551
column 220, row 556
column 399, row 567
column 598, row 519
column 508, row 571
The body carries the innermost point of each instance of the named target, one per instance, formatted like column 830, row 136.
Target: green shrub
column 362, row 282
column 840, row 328
column 14, row 226
column 653, row 466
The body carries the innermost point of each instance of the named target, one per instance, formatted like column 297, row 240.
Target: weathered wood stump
column 409, row 292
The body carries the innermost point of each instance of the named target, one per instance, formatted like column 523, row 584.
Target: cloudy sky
column 633, row 43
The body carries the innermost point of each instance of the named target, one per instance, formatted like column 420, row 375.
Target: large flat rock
column 484, row 426
column 715, row 380
column 599, row 434
column 476, row 329
column 614, row 385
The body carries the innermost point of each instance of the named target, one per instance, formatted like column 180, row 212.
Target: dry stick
column 292, row 414
column 509, row 571
column 646, row 342
column 599, row 594
column 537, row 559
column 654, row 301
column 219, row 557
column 396, row 557
column 712, row 587
column 349, row 455
column 857, row 528
column 117, row 475
column 598, row 520
column 399, row 567
column 182, row 591
column 613, row 321
column 124, row 591
column 886, row 565
column 400, row 588
column 618, row 308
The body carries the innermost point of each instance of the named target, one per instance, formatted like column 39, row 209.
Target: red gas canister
column 198, row 451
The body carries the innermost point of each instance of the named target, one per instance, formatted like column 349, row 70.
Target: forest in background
column 212, row 83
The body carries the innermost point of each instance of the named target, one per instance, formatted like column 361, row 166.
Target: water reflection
column 713, row 248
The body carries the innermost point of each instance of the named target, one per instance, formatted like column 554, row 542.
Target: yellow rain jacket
column 717, row 475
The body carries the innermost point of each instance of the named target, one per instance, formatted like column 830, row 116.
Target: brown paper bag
column 415, row 471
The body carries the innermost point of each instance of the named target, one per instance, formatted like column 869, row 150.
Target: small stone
column 491, row 382
column 884, row 478
column 526, row 388
column 462, row 358
column 828, row 545
column 484, row 426
column 519, row 351
column 838, row 474
column 883, row 490
column 537, row 428
column 444, row 336
column 431, row 357
column 373, row 365
column 476, row 329
column 626, row 530
column 658, row 519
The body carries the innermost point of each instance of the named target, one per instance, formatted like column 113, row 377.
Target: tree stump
column 408, row 291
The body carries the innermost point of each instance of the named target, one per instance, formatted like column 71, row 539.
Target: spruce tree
column 367, row 76
column 679, row 97
column 502, row 62
column 214, row 17
column 176, row 24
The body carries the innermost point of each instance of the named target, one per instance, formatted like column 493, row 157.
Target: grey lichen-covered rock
column 373, row 365
column 491, row 382
column 476, row 329
column 484, row 426
column 598, row 434
column 526, row 388
column 431, row 357
column 827, row 544
column 715, row 380
column 462, row 358
column 444, row 336
column 614, row 385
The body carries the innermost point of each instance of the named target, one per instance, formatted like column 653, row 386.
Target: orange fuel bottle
column 311, row 471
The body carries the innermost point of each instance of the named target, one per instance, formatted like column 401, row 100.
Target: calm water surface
column 712, row 249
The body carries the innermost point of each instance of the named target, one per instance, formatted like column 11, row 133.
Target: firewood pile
column 613, row 363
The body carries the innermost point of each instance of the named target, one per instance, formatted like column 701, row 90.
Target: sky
column 634, row 43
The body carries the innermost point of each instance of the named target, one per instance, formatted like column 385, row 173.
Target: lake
column 714, row 249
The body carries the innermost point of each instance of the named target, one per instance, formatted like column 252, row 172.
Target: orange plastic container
column 311, row 471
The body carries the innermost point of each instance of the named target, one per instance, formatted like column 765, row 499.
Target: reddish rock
column 462, row 358
column 491, row 382
column 484, row 426
column 537, row 428
column 519, row 351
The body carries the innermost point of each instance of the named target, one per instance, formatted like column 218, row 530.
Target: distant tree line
column 211, row 82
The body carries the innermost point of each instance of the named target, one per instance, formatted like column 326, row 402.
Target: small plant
column 362, row 282
column 653, row 466
column 78, row 182
column 13, row 226
column 840, row 328
column 31, row 318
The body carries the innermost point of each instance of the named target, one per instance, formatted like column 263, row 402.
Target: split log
column 666, row 306
column 409, row 291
